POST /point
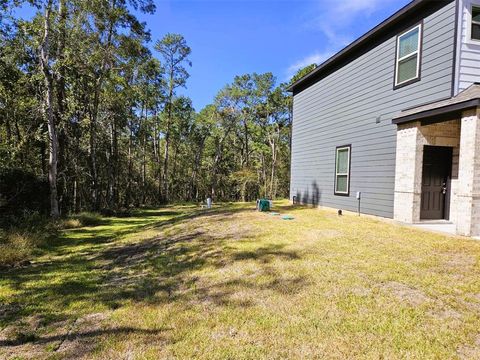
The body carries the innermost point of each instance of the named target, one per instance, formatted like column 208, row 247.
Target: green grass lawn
column 232, row 283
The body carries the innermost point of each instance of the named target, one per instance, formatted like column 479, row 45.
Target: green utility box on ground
column 263, row 205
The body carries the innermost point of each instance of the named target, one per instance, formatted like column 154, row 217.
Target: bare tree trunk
column 243, row 191
column 216, row 161
column 116, row 192
column 110, row 169
column 92, row 149
column 128, row 198
column 144, row 168
column 165, row 166
column 218, row 158
column 49, row 114
column 245, row 127
column 264, row 175
column 43, row 158
column 60, row 78
column 167, row 141
column 273, row 146
column 94, row 116
column 156, row 152
column 75, row 194
column 8, row 129
column 198, row 160
column 174, row 187
column 61, row 105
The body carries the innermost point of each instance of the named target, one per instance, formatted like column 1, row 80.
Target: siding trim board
column 455, row 47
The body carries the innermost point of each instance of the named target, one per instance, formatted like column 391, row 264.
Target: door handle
column 444, row 189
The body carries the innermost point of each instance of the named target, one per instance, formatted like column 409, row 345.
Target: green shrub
column 70, row 223
column 22, row 194
column 15, row 247
column 88, row 219
column 23, row 235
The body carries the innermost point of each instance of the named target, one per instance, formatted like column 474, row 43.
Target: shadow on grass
column 91, row 268
column 81, row 335
column 266, row 254
column 148, row 213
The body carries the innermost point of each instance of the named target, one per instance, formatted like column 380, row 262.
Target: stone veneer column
column 408, row 173
column 468, row 192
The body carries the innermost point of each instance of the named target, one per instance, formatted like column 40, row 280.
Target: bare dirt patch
column 79, row 340
column 30, row 339
column 7, row 310
column 228, row 333
column 471, row 351
column 471, row 304
column 313, row 235
column 361, row 291
column 18, row 340
column 447, row 314
column 460, row 261
column 405, row 293
column 231, row 227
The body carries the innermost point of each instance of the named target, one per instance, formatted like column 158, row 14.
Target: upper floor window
column 475, row 30
column 407, row 66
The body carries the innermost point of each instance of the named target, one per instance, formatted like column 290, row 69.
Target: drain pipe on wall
column 359, row 198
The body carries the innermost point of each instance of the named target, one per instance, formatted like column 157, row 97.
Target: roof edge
column 364, row 39
column 438, row 112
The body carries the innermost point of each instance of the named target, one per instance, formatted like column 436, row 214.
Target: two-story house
column 395, row 116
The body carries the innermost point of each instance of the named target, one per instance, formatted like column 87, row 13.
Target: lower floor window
column 342, row 170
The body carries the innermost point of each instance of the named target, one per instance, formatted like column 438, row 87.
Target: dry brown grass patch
column 405, row 293
column 470, row 351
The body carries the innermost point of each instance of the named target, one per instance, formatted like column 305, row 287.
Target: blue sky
column 234, row 37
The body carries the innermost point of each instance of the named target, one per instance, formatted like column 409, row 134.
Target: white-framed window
column 342, row 170
column 407, row 65
column 475, row 23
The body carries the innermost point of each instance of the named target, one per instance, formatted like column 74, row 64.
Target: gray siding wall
column 342, row 109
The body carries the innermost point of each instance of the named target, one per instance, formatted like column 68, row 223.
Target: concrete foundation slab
column 439, row 226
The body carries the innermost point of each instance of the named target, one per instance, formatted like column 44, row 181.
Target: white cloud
column 346, row 7
column 335, row 20
column 315, row 58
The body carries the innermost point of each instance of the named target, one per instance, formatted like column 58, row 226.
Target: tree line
column 89, row 106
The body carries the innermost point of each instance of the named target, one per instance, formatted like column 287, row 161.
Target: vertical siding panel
column 469, row 51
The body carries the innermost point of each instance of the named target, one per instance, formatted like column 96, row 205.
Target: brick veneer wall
column 468, row 194
column 411, row 139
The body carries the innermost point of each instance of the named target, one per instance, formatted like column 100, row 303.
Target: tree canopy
column 87, row 106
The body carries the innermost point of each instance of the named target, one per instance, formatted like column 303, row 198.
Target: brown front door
column 437, row 164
